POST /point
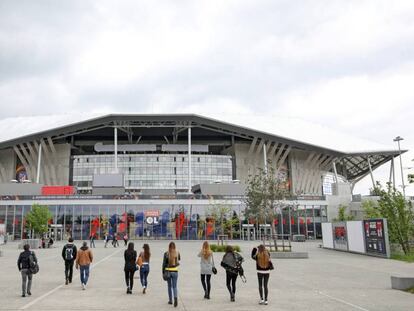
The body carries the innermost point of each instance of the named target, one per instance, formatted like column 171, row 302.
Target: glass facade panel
column 147, row 171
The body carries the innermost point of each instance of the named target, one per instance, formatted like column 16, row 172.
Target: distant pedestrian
column 84, row 258
column 263, row 266
column 130, row 256
column 125, row 239
column 26, row 261
column 92, row 241
column 144, row 267
column 106, row 238
column 170, row 265
column 206, row 268
column 69, row 252
column 232, row 264
column 115, row 240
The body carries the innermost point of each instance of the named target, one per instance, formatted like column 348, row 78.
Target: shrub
column 222, row 248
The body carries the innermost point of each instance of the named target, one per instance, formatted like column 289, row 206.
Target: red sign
column 152, row 213
column 58, row 190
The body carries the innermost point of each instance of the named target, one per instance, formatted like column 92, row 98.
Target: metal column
column 116, row 148
column 265, row 158
column 39, row 159
column 313, row 220
column 290, row 222
column 370, row 172
column 189, row 159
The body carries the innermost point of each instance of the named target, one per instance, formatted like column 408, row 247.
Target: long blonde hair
column 263, row 257
column 205, row 250
column 172, row 254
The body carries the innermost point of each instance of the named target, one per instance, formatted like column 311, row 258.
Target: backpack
column 69, row 253
column 33, row 266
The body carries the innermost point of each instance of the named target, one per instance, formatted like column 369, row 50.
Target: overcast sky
column 348, row 65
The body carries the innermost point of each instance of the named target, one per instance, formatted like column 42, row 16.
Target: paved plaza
column 328, row 280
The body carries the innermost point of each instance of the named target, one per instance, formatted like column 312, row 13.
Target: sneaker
column 261, row 302
column 29, row 293
column 144, row 290
column 66, row 282
column 169, row 302
column 83, row 286
column 23, row 295
column 175, row 302
column 265, row 302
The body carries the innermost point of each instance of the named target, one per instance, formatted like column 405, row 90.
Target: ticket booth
column 248, row 232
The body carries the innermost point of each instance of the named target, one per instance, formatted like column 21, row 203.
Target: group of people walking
column 231, row 262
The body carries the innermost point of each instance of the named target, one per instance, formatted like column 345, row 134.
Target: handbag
column 33, row 265
column 140, row 261
column 213, row 269
column 166, row 275
column 271, row 267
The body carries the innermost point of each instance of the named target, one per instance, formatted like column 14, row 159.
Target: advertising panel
column 152, row 217
column 376, row 237
column 340, row 236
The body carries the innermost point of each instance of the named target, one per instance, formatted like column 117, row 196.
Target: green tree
column 371, row 209
column 342, row 215
column 399, row 214
column 37, row 219
column 223, row 216
column 265, row 196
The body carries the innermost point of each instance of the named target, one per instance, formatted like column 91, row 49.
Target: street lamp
column 398, row 139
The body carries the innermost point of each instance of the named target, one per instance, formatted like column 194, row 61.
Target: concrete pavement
column 328, row 280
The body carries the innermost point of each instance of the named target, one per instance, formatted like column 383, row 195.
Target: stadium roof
column 292, row 132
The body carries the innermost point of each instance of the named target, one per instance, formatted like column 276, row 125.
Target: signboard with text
column 152, row 217
column 376, row 237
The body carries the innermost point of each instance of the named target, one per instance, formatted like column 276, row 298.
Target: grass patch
column 410, row 290
column 222, row 248
column 403, row 257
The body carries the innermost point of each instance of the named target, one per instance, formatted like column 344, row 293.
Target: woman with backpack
column 206, row 268
column 263, row 267
column 232, row 264
column 130, row 256
column 27, row 265
column 143, row 263
column 170, row 265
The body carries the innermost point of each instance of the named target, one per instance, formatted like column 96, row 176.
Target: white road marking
column 342, row 301
column 60, row 286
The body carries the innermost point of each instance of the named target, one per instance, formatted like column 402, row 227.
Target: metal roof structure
column 354, row 165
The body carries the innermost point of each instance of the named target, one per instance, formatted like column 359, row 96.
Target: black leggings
column 231, row 282
column 129, row 278
column 263, row 279
column 205, row 281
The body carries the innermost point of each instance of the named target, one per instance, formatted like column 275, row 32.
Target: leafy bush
column 222, row 248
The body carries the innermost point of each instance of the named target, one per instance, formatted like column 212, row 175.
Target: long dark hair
column 147, row 253
column 130, row 247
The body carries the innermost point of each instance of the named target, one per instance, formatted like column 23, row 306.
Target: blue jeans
column 84, row 274
column 143, row 275
column 172, row 286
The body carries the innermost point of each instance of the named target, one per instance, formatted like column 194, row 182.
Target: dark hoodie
column 74, row 251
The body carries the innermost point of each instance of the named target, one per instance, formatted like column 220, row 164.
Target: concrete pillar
column 116, row 149
column 39, row 159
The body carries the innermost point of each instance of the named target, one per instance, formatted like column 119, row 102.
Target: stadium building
column 166, row 176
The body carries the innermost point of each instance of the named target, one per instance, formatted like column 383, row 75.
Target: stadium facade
column 165, row 176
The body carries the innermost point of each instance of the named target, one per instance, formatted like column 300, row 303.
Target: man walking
column 69, row 252
column 26, row 259
column 84, row 258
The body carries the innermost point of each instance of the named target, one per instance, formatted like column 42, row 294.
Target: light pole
column 398, row 139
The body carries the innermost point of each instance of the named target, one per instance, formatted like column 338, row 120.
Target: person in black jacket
column 69, row 252
column 263, row 267
column 130, row 256
column 23, row 264
column 231, row 262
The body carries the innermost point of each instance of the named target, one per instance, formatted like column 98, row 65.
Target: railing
column 277, row 242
